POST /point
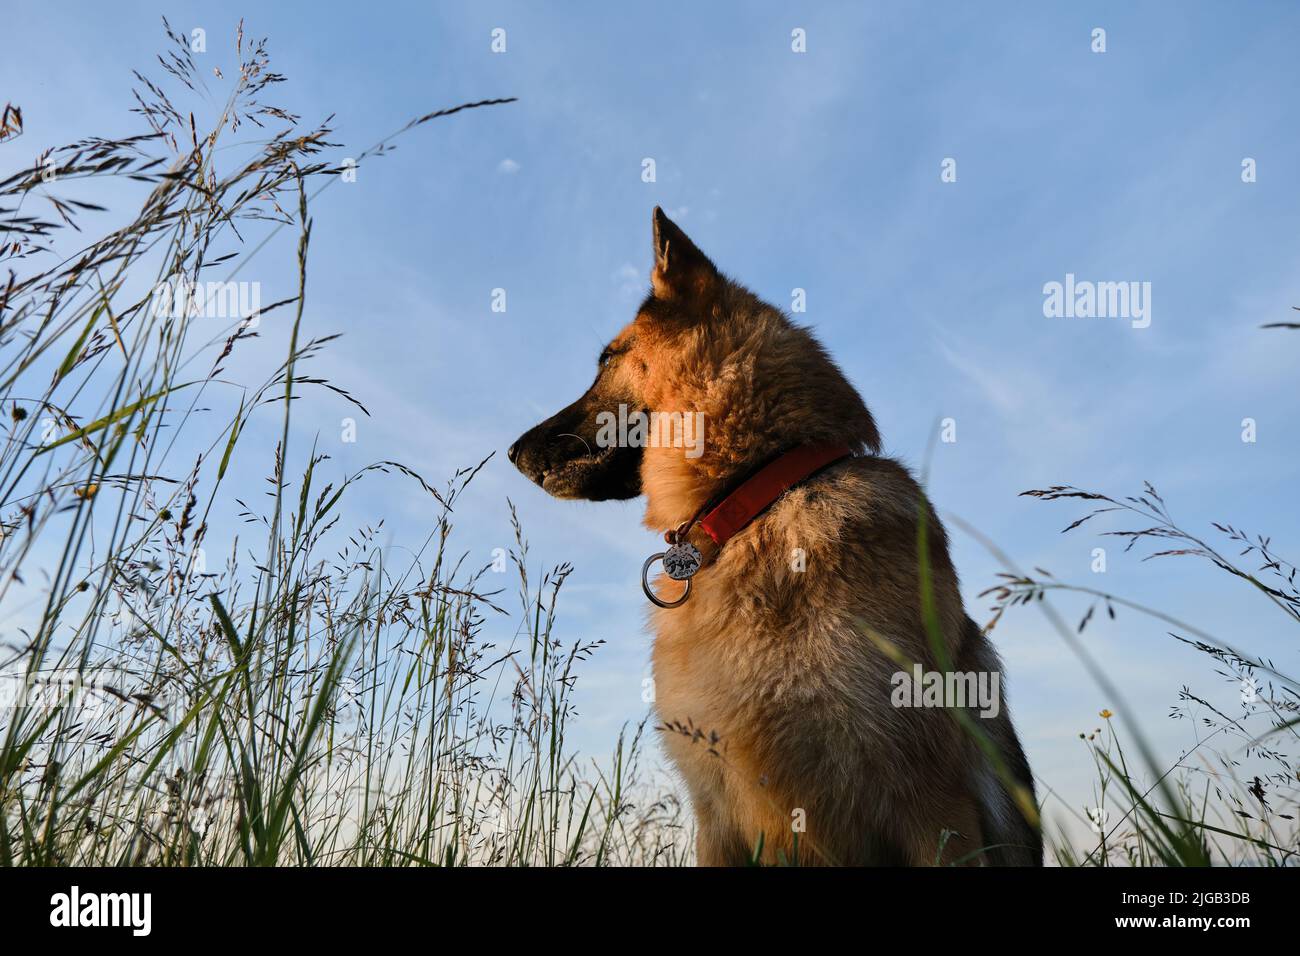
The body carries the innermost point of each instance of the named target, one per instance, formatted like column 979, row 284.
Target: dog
column 780, row 648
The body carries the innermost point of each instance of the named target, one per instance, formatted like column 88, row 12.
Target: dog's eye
column 612, row 352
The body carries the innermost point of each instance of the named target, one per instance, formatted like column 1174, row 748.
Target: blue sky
column 819, row 171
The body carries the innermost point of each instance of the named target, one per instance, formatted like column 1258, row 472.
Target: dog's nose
column 513, row 452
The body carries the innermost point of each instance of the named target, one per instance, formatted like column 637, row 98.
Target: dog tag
column 682, row 560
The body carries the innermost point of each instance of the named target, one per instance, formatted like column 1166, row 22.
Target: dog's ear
column 681, row 273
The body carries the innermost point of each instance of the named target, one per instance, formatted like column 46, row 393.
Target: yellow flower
column 1106, row 715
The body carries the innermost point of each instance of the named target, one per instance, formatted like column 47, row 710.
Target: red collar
column 699, row 540
column 760, row 490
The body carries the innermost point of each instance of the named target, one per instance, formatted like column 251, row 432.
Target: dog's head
column 704, row 382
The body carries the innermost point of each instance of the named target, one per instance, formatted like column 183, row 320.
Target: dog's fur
column 773, row 685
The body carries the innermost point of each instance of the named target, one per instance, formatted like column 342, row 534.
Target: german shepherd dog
column 776, row 680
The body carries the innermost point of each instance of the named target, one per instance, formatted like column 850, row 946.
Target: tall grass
column 303, row 700
column 1231, row 797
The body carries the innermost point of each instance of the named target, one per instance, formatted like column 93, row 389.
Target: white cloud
column 632, row 283
column 508, row 166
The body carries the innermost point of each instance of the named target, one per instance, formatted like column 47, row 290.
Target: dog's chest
column 696, row 691
column 692, row 686
column 716, row 689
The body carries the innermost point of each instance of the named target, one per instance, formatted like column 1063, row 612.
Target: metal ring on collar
column 649, row 592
